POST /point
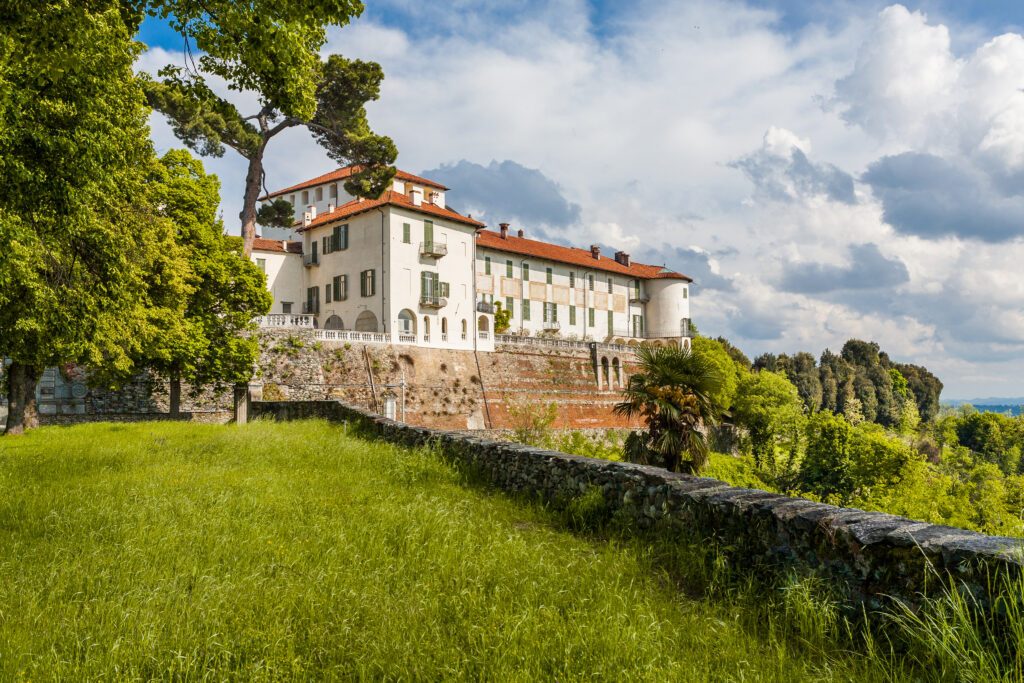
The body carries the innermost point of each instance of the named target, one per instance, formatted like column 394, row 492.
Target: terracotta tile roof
column 577, row 257
column 345, row 172
column 260, row 244
column 389, row 198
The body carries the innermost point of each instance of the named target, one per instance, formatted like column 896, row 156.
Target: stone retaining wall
column 866, row 555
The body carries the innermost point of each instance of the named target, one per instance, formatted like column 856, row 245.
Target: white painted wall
column 669, row 304
column 284, row 278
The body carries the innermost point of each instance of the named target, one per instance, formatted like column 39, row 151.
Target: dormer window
column 319, row 194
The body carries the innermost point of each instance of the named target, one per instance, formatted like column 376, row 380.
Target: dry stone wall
column 869, row 556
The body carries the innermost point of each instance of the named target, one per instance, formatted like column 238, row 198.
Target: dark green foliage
column 276, row 214
column 734, row 352
column 926, row 388
column 826, row 466
column 805, row 376
column 677, row 393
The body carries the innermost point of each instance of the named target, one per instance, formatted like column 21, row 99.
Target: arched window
column 334, row 323
column 406, row 322
column 426, row 329
column 483, row 327
column 465, row 332
column 616, row 373
column 605, row 376
column 444, row 329
column 366, row 322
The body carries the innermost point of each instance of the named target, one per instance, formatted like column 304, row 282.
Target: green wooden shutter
column 428, row 232
column 572, row 315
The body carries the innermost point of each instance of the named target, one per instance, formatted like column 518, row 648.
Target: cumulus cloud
column 692, row 261
column 925, row 195
column 868, row 268
column 781, row 171
column 506, row 191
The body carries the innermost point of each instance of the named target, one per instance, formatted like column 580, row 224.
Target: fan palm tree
column 672, row 393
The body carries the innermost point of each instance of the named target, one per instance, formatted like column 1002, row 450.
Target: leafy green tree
column 80, row 243
column 716, row 354
column 502, row 318
column 807, row 378
column 768, row 406
column 825, row 469
column 735, row 353
column 926, row 387
column 271, row 47
column 992, row 437
column 675, row 393
column 226, row 292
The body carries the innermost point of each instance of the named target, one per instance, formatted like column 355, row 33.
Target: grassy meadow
column 295, row 552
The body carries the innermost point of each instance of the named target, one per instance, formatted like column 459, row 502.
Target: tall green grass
column 296, row 552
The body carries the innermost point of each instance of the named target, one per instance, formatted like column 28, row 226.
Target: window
column 340, row 287
column 638, row 326
column 319, row 194
column 548, row 274
column 526, row 272
column 611, row 321
column 286, row 307
column 431, row 287
column 428, row 232
column 550, row 312
column 334, row 191
column 686, row 292
column 291, row 200
column 312, row 301
column 572, row 280
column 444, row 289
column 339, row 238
column 464, row 332
column 572, row 315
column 406, row 233
column 590, row 281
column 305, row 197
column 590, row 316
column 487, row 265
column 508, row 268
column 261, row 263
column 367, row 284
column 327, row 292
column 636, row 289
column 509, row 306
column 609, row 285
column 526, row 309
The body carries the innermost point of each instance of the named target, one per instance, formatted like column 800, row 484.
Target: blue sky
column 825, row 170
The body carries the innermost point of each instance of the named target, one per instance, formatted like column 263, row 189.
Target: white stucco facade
column 407, row 267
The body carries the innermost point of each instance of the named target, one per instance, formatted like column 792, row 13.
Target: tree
column 825, row 469
column 926, row 387
column 768, row 406
column 676, row 394
column 226, row 292
column 716, row 354
column 807, row 378
column 80, row 241
column 502, row 318
column 734, row 352
column 271, row 47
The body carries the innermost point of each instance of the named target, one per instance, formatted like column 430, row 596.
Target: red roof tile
column 389, row 198
column 345, row 172
column 572, row 255
column 260, row 244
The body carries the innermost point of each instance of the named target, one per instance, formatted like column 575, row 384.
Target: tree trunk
column 253, row 183
column 21, row 398
column 175, row 395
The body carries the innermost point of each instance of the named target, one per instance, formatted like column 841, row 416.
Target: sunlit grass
column 293, row 551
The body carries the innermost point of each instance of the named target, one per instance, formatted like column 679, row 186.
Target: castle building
column 406, row 269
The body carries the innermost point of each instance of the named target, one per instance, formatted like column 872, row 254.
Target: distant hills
column 1008, row 405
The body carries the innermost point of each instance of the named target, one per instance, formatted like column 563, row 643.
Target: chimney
column 504, row 230
column 312, row 211
column 595, row 251
column 622, row 257
column 416, row 194
column 435, row 197
column 330, row 208
column 521, row 233
column 306, row 219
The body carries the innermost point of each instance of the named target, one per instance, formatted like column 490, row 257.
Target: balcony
column 551, row 326
column 428, row 301
column 484, row 307
column 311, row 308
column 635, row 298
column 310, row 260
column 434, row 249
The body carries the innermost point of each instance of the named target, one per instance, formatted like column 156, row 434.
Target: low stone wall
column 866, row 555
